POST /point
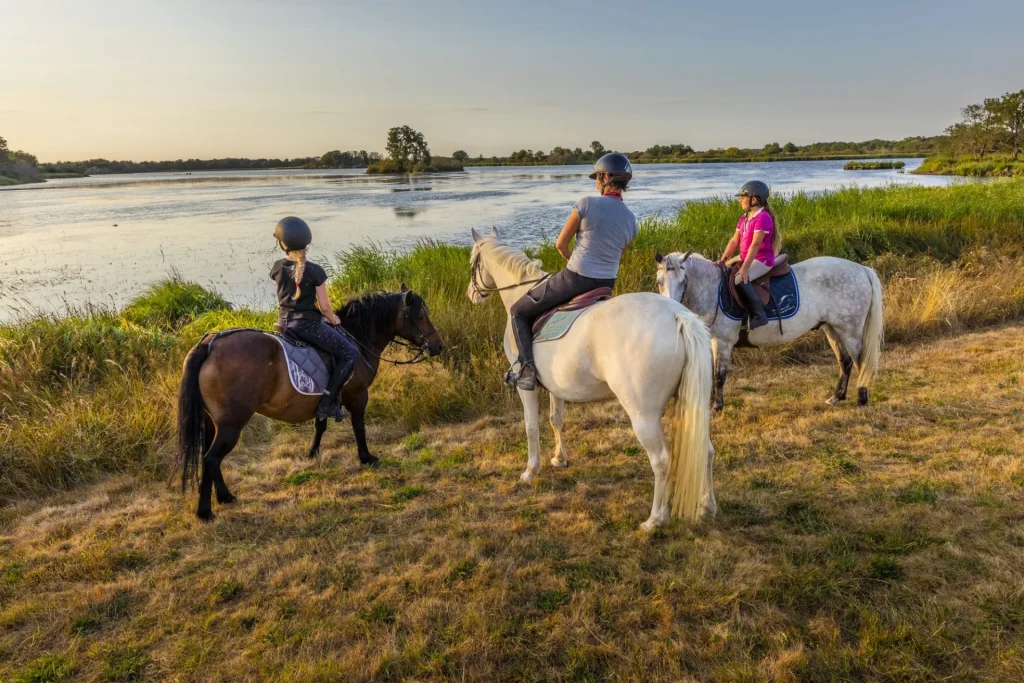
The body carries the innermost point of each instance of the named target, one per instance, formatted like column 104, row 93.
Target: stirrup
column 511, row 376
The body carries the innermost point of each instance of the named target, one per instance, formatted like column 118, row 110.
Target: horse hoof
column 369, row 460
column 649, row 526
column 226, row 500
column 528, row 476
column 833, row 401
column 709, row 514
column 555, row 462
column 206, row 516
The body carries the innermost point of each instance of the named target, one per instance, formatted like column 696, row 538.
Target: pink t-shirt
column 762, row 222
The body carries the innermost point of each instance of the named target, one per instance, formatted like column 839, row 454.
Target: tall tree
column 460, row 155
column 597, row 148
column 3, row 150
column 407, row 147
column 1007, row 113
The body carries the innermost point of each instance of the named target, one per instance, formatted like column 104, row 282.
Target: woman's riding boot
column 527, row 379
column 755, row 309
column 330, row 404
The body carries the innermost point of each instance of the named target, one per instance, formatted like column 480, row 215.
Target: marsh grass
column 93, row 392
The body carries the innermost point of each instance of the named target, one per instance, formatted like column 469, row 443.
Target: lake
column 101, row 240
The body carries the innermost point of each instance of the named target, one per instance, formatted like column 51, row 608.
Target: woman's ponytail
column 299, row 256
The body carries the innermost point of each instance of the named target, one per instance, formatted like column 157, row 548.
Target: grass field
column 852, row 544
column 872, row 165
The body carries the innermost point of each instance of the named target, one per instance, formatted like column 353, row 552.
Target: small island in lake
column 872, row 165
column 408, row 153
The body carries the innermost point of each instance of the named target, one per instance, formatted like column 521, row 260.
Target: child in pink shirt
column 758, row 241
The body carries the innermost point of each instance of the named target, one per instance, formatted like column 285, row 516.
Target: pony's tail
column 191, row 413
column 871, row 341
column 690, row 438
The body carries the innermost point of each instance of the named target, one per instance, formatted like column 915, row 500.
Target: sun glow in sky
column 167, row 80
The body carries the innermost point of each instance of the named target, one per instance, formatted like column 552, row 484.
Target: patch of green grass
column 454, row 458
column 919, row 492
column 885, row 569
column 632, row 450
column 124, row 665
column 227, row 591
column 172, row 303
column 805, row 517
column 463, row 570
column 414, row 442
column 299, row 478
column 101, row 613
column 407, row 493
column 378, row 613
column 549, row 601
column 49, row 668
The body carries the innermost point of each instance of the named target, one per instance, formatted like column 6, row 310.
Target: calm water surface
column 101, row 240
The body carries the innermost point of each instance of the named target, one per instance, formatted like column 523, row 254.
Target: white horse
column 640, row 348
column 841, row 297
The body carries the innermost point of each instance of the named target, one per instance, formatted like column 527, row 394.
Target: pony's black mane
column 372, row 315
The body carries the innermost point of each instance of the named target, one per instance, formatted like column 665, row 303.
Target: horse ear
column 688, row 254
column 403, row 288
column 406, row 295
column 659, row 257
column 476, row 235
column 494, row 231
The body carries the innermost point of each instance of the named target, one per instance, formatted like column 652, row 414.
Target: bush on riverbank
column 94, row 392
column 989, row 167
column 872, row 165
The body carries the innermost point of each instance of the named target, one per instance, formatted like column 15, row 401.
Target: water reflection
column 409, row 211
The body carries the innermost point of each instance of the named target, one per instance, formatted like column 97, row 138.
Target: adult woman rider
column 603, row 227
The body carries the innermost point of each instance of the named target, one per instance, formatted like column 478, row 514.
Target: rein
column 420, row 350
column 483, row 291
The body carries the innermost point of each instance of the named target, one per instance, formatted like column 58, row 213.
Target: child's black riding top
column 283, row 273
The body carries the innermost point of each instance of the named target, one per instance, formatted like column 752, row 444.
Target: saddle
column 761, row 284
column 286, row 334
column 584, row 300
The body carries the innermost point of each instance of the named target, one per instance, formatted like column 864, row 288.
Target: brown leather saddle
column 584, row 300
column 761, row 284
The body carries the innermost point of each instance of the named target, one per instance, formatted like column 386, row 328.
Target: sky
column 167, row 80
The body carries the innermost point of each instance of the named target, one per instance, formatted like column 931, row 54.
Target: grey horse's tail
column 871, row 340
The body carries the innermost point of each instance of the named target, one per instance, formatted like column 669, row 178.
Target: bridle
column 686, row 280
column 483, row 291
column 421, row 338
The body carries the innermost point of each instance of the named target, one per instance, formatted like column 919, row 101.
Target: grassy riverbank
column 988, row 167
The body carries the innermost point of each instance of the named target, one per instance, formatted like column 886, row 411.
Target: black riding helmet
column 292, row 233
column 615, row 164
column 754, row 188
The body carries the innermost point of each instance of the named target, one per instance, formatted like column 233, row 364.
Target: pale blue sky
column 143, row 80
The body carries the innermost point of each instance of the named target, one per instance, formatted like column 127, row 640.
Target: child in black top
column 305, row 309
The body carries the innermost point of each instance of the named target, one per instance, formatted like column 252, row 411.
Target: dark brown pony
column 230, row 376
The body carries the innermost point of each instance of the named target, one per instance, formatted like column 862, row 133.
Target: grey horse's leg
column 845, row 364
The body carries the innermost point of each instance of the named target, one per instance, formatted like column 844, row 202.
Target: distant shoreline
column 710, row 160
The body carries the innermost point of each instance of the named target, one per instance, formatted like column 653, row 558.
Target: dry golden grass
column 883, row 543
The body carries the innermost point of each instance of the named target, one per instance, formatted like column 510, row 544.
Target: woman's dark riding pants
column 555, row 291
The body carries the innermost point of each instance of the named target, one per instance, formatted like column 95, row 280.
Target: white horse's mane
column 511, row 259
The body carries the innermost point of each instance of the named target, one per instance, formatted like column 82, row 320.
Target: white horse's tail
column 871, row 340
column 690, row 438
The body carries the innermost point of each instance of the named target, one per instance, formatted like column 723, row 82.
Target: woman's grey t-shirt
column 607, row 228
